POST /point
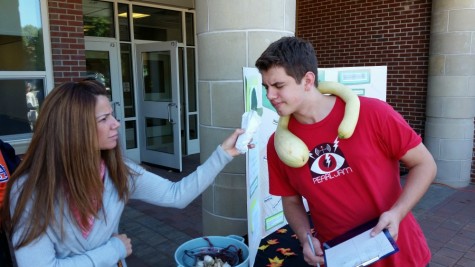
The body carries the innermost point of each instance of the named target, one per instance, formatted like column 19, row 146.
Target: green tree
column 33, row 44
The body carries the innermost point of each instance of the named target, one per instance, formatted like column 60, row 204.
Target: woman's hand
column 229, row 144
column 126, row 241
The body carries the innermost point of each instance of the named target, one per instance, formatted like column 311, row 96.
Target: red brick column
column 67, row 40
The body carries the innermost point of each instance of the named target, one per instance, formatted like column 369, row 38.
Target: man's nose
column 271, row 94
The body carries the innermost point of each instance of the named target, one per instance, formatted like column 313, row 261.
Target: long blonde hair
column 62, row 163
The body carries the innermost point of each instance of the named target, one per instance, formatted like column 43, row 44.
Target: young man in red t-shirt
column 346, row 182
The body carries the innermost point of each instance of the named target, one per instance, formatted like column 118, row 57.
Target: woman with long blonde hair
column 65, row 200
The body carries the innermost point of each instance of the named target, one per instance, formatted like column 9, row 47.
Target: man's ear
column 309, row 80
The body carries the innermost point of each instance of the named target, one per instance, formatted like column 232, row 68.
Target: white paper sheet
column 360, row 250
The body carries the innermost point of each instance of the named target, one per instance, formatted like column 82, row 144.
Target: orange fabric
column 4, row 176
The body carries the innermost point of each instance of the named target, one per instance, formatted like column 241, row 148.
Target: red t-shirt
column 348, row 182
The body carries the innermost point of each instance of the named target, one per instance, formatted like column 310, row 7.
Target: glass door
column 102, row 64
column 159, row 98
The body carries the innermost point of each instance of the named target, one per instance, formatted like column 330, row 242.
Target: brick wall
column 67, row 40
column 373, row 33
column 348, row 33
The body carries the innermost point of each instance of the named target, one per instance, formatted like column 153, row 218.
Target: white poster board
column 265, row 212
column 365, row 81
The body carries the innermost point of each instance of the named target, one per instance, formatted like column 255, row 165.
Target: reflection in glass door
column 98, row 68
column 160, row 141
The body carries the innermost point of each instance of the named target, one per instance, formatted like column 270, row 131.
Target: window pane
column 159, row 135
column 191, row 71
column 98, row 18
column 157, row 24
column 98, row 68
column 21, row 36
column 130, row 134
column 193, row 131
column 156, row 76
column 20, row 101
column 181, row 77
column 124, row 27
column 127, row 80
column 190, row 29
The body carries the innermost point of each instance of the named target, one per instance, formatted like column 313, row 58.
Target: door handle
column 170, row 105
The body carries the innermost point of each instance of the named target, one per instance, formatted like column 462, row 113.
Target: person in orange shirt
column 8, row 163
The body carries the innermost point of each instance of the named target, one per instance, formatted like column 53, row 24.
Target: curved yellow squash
column 352, row 106
column 293, row 151
column 290, row 149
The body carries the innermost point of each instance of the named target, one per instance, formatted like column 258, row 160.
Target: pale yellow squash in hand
column 293, row 151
